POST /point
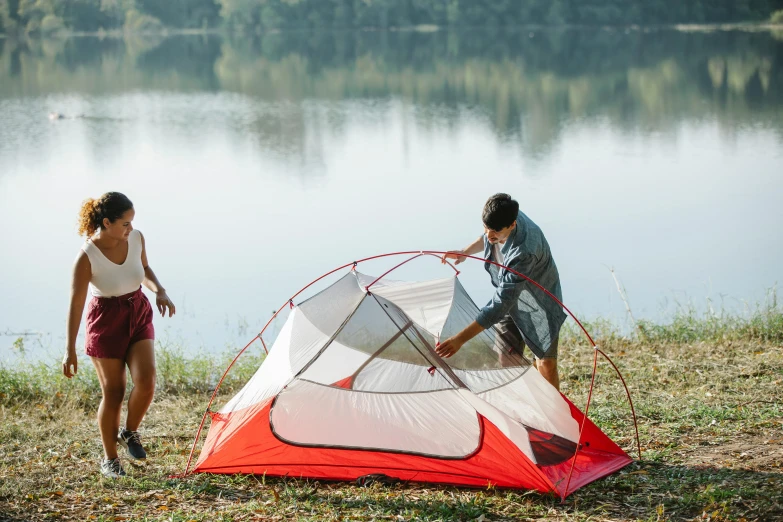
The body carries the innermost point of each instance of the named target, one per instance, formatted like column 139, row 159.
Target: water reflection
column 656, row 153
column 524, row 85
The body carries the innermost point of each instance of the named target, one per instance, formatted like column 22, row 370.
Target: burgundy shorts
column 114, row 324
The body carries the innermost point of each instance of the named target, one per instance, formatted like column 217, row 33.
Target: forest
column 46, row 17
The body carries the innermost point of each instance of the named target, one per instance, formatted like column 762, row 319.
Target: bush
column 136, row 22
column 777, row 17
column 51, row 24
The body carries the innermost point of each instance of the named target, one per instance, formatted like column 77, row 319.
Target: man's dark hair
column 499, row 212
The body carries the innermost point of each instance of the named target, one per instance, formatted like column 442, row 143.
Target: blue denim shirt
column 537, row 315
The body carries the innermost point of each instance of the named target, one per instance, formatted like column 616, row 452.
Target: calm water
column 257, row 165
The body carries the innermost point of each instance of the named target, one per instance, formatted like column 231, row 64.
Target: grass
column 197, row 376
column 763, row 322
column 705, row 388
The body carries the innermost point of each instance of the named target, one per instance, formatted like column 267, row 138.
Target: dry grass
column 710, row 420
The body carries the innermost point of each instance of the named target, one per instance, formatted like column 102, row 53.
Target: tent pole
column 441, row 255
column 582, row 427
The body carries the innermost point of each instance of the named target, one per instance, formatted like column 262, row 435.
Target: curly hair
column 111, row 206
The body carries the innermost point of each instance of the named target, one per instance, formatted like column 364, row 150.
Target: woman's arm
column 151, row 281
column 82, row 273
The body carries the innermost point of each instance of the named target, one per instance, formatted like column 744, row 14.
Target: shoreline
column 763, row 323
column 226, row 32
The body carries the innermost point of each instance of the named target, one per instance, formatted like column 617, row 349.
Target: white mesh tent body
column 352, row 386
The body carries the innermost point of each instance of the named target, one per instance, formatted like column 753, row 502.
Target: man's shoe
column 131, row 441
column 112, row 468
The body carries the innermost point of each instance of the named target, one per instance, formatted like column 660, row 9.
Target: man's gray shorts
column 511, row 335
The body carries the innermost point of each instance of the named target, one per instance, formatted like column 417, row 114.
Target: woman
column 113, row 264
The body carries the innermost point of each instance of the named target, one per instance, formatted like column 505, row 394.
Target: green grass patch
column 763, row 322
column 177, row 374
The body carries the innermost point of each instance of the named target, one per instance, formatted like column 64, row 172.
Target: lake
column 257, row 164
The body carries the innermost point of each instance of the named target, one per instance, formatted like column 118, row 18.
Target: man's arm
column 451, row 345
column 507, row 292
column 459, row 255
column 505, row 297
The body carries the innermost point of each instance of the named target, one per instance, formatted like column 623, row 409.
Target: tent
column 352, row 387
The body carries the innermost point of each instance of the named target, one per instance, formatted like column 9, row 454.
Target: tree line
column 36, row 17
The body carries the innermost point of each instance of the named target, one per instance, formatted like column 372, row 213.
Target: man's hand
column 452, row 345
column 457, row 255
column 449, row 347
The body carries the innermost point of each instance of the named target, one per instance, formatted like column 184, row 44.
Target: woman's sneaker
column 131, row 441
column 112, row 468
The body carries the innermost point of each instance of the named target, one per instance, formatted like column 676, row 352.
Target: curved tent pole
column 526, row 278
column 436, row 253
column 595, row 360
column 231, row 364
column 214, row 393
column 559, row 302
column 456, row 272
column 633, row 412
column 582, row 425
column 587, row 408
column 367, row 288
column 440, row 256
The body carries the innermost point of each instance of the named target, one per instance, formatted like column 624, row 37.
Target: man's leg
column 509, row 344
column 548, row 370
column 547, row 365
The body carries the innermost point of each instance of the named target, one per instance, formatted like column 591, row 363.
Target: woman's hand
column 70, row 363
column 163, row 302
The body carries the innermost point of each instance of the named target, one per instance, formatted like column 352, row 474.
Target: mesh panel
column 417, row 346
column 492, row 358
column 383, row 333
column 389, row 352
column 328, row 309
column 427, row 303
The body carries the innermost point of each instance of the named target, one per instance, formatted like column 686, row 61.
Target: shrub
column 51, row 24
column 136, row 22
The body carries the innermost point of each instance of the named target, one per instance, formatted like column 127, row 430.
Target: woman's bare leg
column 111, row 375
column 141, row 363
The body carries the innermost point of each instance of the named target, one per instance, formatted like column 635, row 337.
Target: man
column 519, row 309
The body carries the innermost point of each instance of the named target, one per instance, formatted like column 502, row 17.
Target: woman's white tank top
column 110, row 279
